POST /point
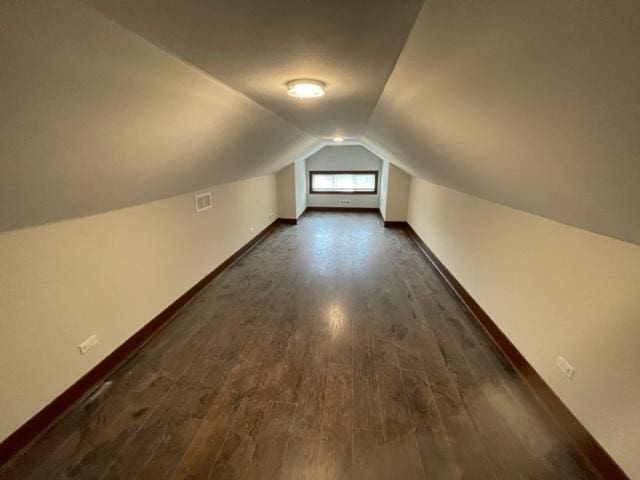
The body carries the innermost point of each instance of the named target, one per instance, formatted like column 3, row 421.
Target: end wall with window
column 343, row 158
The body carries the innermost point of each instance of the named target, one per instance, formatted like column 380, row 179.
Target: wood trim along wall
column 34, row 428
column 600, row 460
column 342, row 209
column 394, row 223
column 289, row 221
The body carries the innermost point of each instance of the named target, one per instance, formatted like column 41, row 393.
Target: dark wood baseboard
column 342, row 209
column 353, row 210
column 288, row 221
column 394, row 224
column 23, row 437
column 600, row 460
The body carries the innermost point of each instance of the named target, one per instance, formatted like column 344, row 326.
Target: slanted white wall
column 528, row 103
column 344, row 157
column 107, row 274
column 553, row 290
column 95, row 118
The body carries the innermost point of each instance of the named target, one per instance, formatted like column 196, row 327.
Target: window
column 353, row 182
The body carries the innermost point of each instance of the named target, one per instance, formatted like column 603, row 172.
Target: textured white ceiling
column 531, row 104
column 256, row 46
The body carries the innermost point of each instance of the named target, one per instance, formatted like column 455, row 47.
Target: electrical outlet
column 271, row 215
column 88, row 344
column 250, row 229
column 565, row 367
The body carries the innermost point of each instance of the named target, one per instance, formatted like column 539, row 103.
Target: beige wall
column 553, row 290
column 286, row 188
column 96, row 118
column 344, row 157
column 384, row 184
column 300, row 167
column 394, row 196
column 107, row 274
column 528, row 103
column 292, row 195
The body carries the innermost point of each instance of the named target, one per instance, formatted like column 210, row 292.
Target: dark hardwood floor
column 331, row 350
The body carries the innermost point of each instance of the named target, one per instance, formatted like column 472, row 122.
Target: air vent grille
column 203, row 201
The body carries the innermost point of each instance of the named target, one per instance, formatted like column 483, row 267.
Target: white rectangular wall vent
column 203, row 201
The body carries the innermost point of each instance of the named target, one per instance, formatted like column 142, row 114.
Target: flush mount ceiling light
column 338, row 139
column 305, row 88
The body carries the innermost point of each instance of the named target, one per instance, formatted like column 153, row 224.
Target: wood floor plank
column 90, row 449
column 236, row 452
column 469, row 451
column 268, row 455
column 460, row 349
column 369, row 455
column 337, row 422
column 310, row 400
column 367, row 411
column 259, row 391
column 175, row 439
column 400, row 441
column 203, row 450
column 433, row 443
column 187, row 399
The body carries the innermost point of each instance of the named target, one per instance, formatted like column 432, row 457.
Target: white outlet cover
column 565, row 367
column 88, row 344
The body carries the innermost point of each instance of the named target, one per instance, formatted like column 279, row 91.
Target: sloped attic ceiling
column 531, row 104
column 108, row 104
column 96, row 118
column 257, row 46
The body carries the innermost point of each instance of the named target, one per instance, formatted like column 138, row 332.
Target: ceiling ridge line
column 393, row 69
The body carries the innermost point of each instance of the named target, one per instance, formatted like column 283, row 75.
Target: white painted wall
column 300, row 170
column 107, row 274
column 394, row 194
column 553, row 290
column 384, row 186
column 291, row 184
column 344, row 157
column 286, row 192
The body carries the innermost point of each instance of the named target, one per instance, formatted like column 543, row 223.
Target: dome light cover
column 305, row 88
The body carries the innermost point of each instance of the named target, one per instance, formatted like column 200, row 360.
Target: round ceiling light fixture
column 305, row 88
column 338, row 139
